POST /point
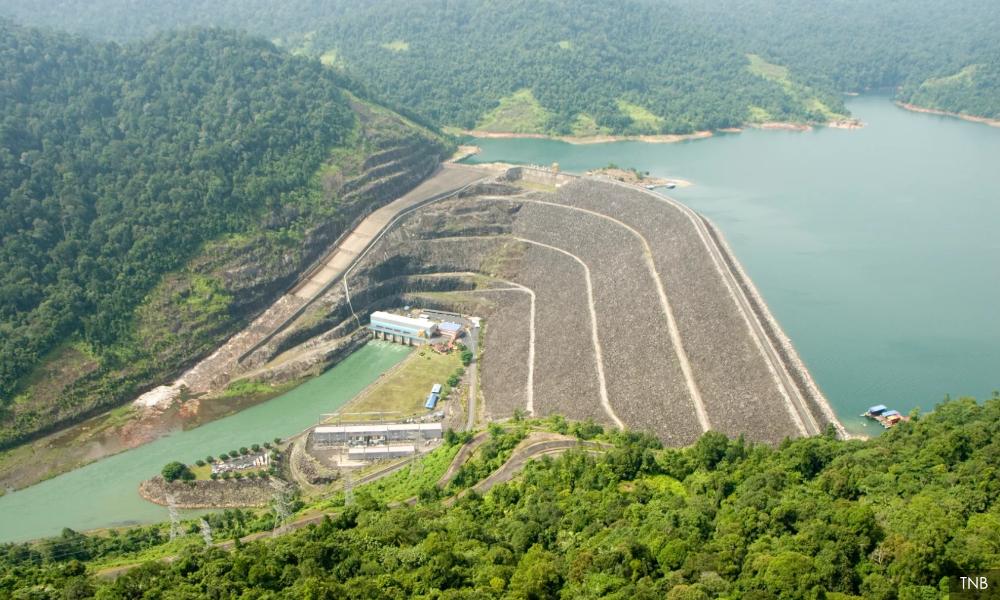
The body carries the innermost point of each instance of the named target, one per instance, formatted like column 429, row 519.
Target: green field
column 518, row 113
column 403, row 391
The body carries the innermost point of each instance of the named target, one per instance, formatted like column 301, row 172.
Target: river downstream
column 876, row 249
column 105, row 493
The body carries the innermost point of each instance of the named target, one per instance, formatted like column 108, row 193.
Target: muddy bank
column 944, row 113
column 667, row 138
column 232, row 493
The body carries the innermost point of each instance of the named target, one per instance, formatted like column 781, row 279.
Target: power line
column 206, row 532
column 175, row 517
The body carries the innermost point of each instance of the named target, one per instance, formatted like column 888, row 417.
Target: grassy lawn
column 405, row 389
column 584, row 125
column 641, row 116
column 201, row 473
column 518, row 113
column 397, row 46
column 770, row 71
column 799, row 93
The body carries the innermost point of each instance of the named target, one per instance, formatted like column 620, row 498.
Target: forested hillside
column 120, row 165
column 588, row 67
column 892, row 518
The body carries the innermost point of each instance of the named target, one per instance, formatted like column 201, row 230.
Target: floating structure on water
column 884, row 415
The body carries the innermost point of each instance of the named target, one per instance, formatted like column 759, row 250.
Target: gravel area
column 645, row 384
column 644, row 380
column 739, row 391
column 565, row 374
column 503, row 367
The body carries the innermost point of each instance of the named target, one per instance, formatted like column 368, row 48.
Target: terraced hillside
column 602, row 302
column 234, row 283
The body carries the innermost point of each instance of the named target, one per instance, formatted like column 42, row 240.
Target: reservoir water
column 876, row 249
column 104, row 493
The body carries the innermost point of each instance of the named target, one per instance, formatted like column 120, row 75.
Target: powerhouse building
column 380, row 452
column 376, row 433
column 405, row 330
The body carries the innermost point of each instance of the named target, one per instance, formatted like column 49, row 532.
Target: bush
column 277, row 440
column 209, row 459
column 244, row 451
column 452, row 381
column 255, row 447
column 267, row 445
column 234, row 453
column 252, row 475
column 227, row 475
column 466, row 357
column 214, row 476
column 200, row 462
column 175, row 470
column 238, row 475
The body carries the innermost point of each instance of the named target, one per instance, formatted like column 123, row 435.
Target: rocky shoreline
column 945, row 113
column 232, row 493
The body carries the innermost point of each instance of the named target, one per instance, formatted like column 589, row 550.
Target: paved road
column 473, row 378
column 449, row 178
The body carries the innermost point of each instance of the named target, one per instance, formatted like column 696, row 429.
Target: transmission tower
column 175, row 517
column 206, row 532
column 348, row 487
column 282, row 501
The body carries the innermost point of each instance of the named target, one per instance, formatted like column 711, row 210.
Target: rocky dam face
column 601, row 301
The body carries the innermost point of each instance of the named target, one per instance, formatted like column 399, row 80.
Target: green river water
column 105, row 494
column 878, row 250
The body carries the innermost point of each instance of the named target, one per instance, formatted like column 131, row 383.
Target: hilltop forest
column 895, row 517
column 119, row 166
column 588, row 67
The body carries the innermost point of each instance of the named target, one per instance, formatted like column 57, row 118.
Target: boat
column 884, row 415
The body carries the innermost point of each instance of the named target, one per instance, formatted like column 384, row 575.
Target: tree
column 537, row 576
column 175, row 470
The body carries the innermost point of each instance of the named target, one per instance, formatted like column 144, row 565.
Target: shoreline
column 945, row 113
column 847, row 123
column 792, row 359
column 666, row 138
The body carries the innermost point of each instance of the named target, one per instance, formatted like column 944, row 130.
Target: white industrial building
column 405, row 330
column 376, row 433
column 381, row 452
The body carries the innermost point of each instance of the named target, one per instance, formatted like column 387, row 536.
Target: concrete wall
column 538, row 175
